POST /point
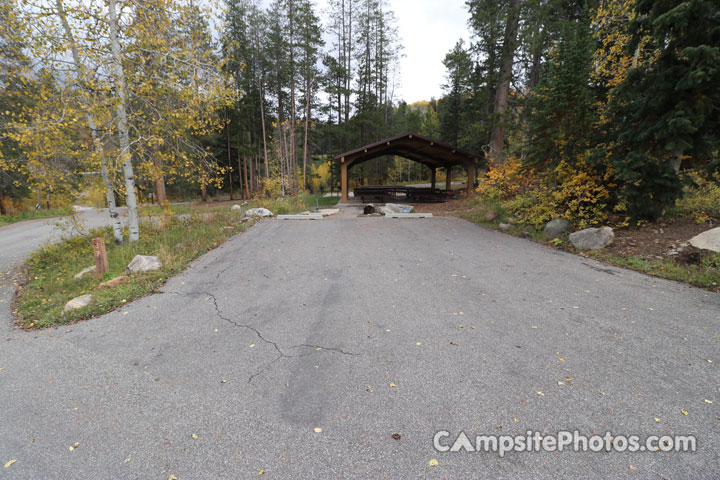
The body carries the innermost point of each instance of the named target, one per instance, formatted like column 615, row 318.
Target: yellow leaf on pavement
column 433, row 463
column 8, row 464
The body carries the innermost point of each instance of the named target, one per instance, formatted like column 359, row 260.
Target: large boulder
column 708, row 240
column 259, row 213
column 556, row 228
column 592, row 238
column 491, row 215
column 78, row 302
column 85, row 271
column 143, row 263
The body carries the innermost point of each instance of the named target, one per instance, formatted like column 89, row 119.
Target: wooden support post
column 471, row 178
column 448, row 178
column 433, row 177
column 344, row 181
column 101, row 259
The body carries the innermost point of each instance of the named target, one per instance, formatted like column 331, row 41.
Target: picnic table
column 384, row 193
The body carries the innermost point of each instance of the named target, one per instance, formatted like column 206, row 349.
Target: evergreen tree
column 666, row 113
column 563, row 111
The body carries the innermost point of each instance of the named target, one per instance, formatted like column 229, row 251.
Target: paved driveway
column 365, row 328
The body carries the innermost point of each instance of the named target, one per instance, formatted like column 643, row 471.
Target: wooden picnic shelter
column 429, row 152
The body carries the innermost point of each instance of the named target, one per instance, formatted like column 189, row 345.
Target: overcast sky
column 428, row 30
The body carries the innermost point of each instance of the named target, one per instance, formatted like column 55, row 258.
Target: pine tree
column 563, row 111
column 666, row 113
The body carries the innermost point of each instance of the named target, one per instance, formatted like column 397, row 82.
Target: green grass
column 34, row 214
column 706, row 275
column 50, row 270
column 310, row 200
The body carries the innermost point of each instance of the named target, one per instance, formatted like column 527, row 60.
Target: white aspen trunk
column 92, row 125
column 262, row 119
column 122, row 125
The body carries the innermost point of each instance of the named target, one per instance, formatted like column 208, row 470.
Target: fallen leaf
column 657, row 420
column 392, row 385
column 127, row 460
column 433, row 463
column 561, row 383
column 317, row 430
column 8, row 464
column 561, row 359
column 396, row 436
column 418, row 343
column 252, row 345
column 369, row 389
column 541, row 394
column 261, row 472
column 223, row 381
column 455, row 344
column 514, row 420
column 172, row 477
column 388, row 331
column 74, row 446
column 569, row 379
column 194, row 436
column 632, row 467
column 709, row 402
column 287, row 384
column 684, row 412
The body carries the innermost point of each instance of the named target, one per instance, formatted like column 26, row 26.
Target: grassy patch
column 310, row 200
column 50, row 270
column 34, row 214
column 706, row 275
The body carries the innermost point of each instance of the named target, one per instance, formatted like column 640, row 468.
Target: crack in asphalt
column 281, row 353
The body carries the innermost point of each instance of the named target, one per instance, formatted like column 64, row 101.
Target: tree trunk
column 676, row 161
column 159, row 183
column 497, row 137
column 122, row 126
column 262, row 120
column 245, row 174
column 307, row 132
column 3, row 210
column 229, row 155
column 92, row 125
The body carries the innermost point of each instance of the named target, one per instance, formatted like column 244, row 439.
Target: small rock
column 708, row 240
column 592, row 238
column 85, row 271
column 369, row 210
column 238, row 209
column 490, row 215
column 259, row 213
column 556, row 228
column 505, row 226
column 78, row 302
column 114, row 282
column 143, row 263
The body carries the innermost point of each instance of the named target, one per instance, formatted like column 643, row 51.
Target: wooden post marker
column 101, row 259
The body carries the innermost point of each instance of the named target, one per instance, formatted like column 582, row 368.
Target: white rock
column 592, row 238
column 389, row 208
column 238, row 208
column 505, row 226
column 259, row 212
column 144, row 263
column 78, row 302
column 708, row 240
column 85, row 271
